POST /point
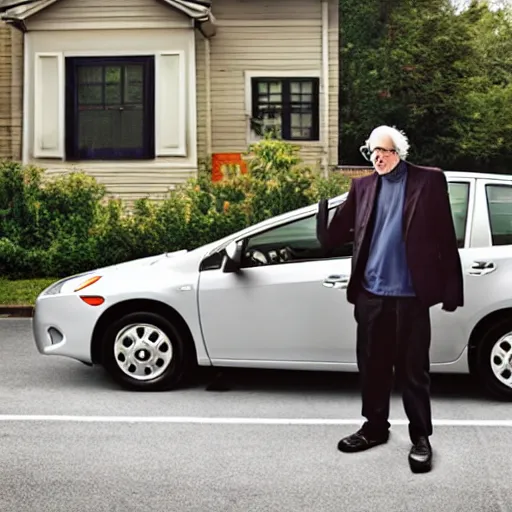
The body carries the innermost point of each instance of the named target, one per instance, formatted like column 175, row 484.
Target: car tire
column 485, row 366
column 145, row 352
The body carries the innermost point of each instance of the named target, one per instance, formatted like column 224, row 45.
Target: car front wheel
column 145, row 352
column 494, row 361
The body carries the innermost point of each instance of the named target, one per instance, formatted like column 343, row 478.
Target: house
column 138, row 93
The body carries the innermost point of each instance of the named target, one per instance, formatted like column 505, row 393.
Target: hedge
column 57, row 226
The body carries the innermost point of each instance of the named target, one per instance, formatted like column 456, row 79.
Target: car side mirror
column 233, row 257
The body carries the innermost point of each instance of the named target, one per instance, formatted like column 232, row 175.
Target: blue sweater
column 387, row 272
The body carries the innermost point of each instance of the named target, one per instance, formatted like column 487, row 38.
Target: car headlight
column 56, row 288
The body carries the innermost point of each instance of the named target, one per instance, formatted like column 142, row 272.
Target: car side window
column 499, row 204
column 459, row 201
column 291, row 242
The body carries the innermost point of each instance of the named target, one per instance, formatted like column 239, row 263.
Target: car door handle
column 481, row 268
column 336, row 281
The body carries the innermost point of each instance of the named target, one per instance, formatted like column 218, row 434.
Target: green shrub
column 65, row 225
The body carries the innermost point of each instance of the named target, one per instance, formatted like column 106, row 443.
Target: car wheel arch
column 481, row 328
column 137, row 306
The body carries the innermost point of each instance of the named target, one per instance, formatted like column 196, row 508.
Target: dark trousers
column 394, row 334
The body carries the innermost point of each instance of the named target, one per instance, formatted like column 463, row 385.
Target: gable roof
column 17, row 11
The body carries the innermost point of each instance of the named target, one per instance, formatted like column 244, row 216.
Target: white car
column 267, row 297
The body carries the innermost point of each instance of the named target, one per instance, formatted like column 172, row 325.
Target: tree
column 440, row 74
column 484, row 124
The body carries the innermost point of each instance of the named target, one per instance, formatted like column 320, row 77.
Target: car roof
column 478, row 175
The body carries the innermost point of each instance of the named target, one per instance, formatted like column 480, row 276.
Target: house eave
column 16, row 23
column 17, row 11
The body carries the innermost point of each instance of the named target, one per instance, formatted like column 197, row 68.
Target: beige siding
column 201, row 87
column 130, row 183
column 266, row 9
column 11, row 87
column 99, row 11
column 265, row 35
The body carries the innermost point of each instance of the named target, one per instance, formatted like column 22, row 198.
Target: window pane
column 301, row 125
column 300, row 234
column 275, row 88
column 134, row 73
column 295, row 87
column 459, row 199
column 90, row 75
column 307, row 88
column 271, row 120
column 301, row 133
column 269, row 107
column 263, row 88
column 499, row 200
column 270, row 91
column 133, row 90
column 110, row 129
column 302, row 98
column 133, row 93
column 90, row 95
column 131, row 133
column 96, row 129
column 113, row 94
column 301, row 92
column 112, row 75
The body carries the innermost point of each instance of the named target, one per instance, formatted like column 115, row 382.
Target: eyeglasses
column 367, row 153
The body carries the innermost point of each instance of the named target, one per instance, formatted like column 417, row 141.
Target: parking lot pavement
column 82, row 453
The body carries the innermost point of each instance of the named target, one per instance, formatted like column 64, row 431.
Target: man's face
column 383, row 155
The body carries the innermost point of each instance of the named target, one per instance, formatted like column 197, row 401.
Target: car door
column 484, row 232
column 279, row 310
column 448, row 329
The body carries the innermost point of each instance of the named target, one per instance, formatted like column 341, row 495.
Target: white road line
column 236, row 421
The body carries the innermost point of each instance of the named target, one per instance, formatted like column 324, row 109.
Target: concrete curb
column 16, row 311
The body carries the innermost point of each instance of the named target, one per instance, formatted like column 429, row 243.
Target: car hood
column 139, row 263
column 129, row 267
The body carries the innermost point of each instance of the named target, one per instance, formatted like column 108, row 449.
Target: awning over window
column 17, row 11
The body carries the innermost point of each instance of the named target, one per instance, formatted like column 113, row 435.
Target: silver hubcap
column 142, row 351
column 501, row 360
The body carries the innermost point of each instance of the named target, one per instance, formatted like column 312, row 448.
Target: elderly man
column 405, row 260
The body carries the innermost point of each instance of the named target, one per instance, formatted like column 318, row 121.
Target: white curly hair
column 400, row 141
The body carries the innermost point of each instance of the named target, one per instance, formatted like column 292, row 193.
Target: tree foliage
column 441, row 74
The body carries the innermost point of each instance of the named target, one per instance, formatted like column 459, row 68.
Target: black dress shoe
column 420, row 456
column 360, row 441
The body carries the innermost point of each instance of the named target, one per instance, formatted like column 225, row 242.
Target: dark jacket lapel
column 368, row 199
column 412, row 193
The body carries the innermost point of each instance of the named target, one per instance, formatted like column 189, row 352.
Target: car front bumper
column 62, row 325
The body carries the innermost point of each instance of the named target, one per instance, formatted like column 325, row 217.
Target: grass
column 22, row 292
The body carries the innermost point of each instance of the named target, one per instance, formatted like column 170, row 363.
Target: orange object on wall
column 220, row 160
